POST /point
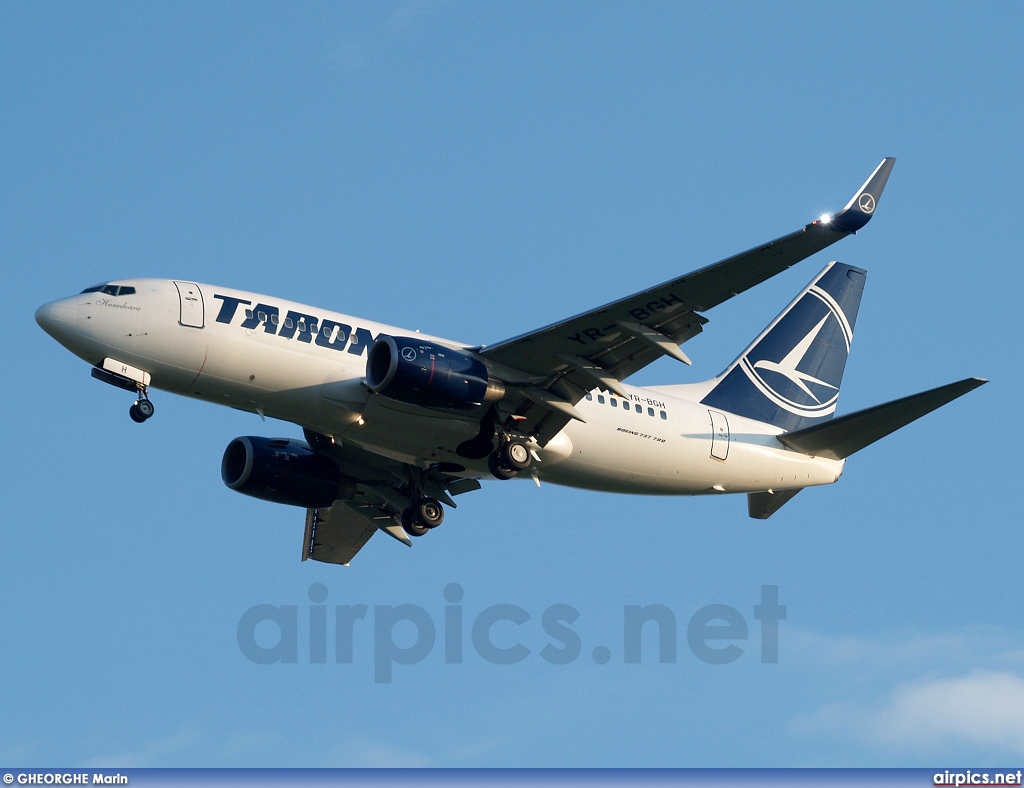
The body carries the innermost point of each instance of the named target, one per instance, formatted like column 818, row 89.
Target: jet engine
column 423, row 373
column 283, row 471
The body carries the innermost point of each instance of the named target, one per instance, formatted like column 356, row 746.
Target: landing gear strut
column 142, row 409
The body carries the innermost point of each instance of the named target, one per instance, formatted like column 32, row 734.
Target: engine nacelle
column 423, row 373
column 283, row 471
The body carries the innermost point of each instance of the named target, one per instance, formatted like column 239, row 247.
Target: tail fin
column 790, row 376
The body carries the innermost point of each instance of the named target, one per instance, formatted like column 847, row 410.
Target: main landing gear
column 511, row 457
column 142, row 409
column 422, row 515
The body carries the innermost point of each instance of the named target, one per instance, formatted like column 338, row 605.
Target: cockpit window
column 111, row 290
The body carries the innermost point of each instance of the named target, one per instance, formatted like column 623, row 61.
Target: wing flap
column 336, row 533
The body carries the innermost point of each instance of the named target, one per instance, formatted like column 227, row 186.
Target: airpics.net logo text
column 408, row 634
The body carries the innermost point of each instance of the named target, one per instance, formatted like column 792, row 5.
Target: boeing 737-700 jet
column 397, row 423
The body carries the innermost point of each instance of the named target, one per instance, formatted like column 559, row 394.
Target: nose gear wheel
column 142, row 409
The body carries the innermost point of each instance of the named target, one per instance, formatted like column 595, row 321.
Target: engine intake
column 423, row 373
column 283, row 471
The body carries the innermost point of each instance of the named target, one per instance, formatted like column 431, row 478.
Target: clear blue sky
column 475, row 171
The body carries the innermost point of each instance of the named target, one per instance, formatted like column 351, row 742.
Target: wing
column 558, row 364
column 335, row 533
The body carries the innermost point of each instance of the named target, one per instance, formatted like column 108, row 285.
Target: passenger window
column 274, row 318
column 650, row 411
column 261, row 316
column 638, row 409
column 663, row 415
column 614, row 403
column 600, row 399
column 288, row 322
column 589, row 396
column 248, row 314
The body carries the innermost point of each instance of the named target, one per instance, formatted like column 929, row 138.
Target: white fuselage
column 307, row 365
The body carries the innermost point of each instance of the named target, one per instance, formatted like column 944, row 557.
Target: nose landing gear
column 142, row 409
column 129, row 378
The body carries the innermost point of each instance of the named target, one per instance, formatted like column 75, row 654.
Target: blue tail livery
column 790, row 376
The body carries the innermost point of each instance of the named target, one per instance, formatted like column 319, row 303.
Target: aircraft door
column 719, row 435
column 191, row 298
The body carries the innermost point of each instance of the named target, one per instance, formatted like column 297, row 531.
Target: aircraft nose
column 59, row 319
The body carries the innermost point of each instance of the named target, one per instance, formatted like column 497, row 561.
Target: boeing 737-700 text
column 397, row 423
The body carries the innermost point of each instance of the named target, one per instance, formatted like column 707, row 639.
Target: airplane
column 398, row 423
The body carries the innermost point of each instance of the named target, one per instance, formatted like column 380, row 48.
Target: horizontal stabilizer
column 841, row 437
column 762, row 505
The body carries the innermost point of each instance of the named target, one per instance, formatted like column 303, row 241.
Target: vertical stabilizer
column 790, row 376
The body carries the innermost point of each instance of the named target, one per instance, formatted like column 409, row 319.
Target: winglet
column 861, row 206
